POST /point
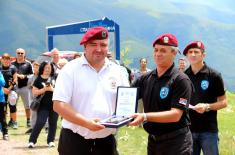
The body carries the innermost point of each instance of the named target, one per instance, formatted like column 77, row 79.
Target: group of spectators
column 27, row 80
column 179, row 103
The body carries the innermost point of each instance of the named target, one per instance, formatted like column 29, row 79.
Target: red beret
column 94, row 33
column 166, row 39
column 194, row 44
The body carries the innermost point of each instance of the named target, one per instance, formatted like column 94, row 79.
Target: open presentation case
column 126, row 105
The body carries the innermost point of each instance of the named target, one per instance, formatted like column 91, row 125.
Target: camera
column 47, row 83
column 50, row 82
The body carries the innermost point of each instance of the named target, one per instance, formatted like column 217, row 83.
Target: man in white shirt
column 55, row 61
column 85, row 93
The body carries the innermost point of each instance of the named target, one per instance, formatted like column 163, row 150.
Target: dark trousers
column 172, row 144
column 42, row 116
column 12, row 108
column 207, row 142
column 71, row 143
column 3, row 118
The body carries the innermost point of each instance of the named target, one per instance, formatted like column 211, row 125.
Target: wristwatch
column 208, row 108
column 145, row 117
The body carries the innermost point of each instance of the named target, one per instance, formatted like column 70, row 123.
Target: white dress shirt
column 90, row 93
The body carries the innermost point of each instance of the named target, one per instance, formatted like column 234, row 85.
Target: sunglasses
column 20, row 53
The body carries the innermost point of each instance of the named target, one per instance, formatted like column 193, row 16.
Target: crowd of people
column 177, row 105
column 23, row 79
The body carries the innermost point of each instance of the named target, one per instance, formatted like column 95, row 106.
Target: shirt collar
column 84, row 61
column 168, row 73
column 203, row 70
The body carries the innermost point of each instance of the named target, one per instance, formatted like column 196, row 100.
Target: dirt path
column 18, row 140
column 12, row 147
column 17, row 144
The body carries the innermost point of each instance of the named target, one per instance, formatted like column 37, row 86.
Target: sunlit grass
column 226, row 121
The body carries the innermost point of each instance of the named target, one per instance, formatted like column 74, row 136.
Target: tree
column 124, row 60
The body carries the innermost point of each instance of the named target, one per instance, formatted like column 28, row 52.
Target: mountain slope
column 23, row 22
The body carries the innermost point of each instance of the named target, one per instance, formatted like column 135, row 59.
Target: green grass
column 226, row 121
column 133, row 140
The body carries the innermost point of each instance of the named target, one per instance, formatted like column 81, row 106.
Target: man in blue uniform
column 209, row 96
column 166, row 93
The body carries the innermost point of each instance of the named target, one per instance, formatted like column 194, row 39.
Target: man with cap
column 84, row 94
column 10, row 75
column 209, row 96
column 166, row 93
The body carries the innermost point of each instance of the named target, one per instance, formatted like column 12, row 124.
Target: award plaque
column 126, row 105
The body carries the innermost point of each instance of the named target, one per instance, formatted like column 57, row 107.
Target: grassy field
column 131, row 140
column 226, row 120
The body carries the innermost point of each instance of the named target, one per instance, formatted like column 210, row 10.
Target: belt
column 170, row 134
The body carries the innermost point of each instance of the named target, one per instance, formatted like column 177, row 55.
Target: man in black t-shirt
column 165, row 92
column 209, row 96
column 24, row 68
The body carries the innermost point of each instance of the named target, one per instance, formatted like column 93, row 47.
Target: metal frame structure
column 82, row 27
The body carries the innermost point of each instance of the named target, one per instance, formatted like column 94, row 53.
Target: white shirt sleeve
column 64, row 86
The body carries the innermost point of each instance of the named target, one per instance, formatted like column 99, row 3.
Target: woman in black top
column 44, row 85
